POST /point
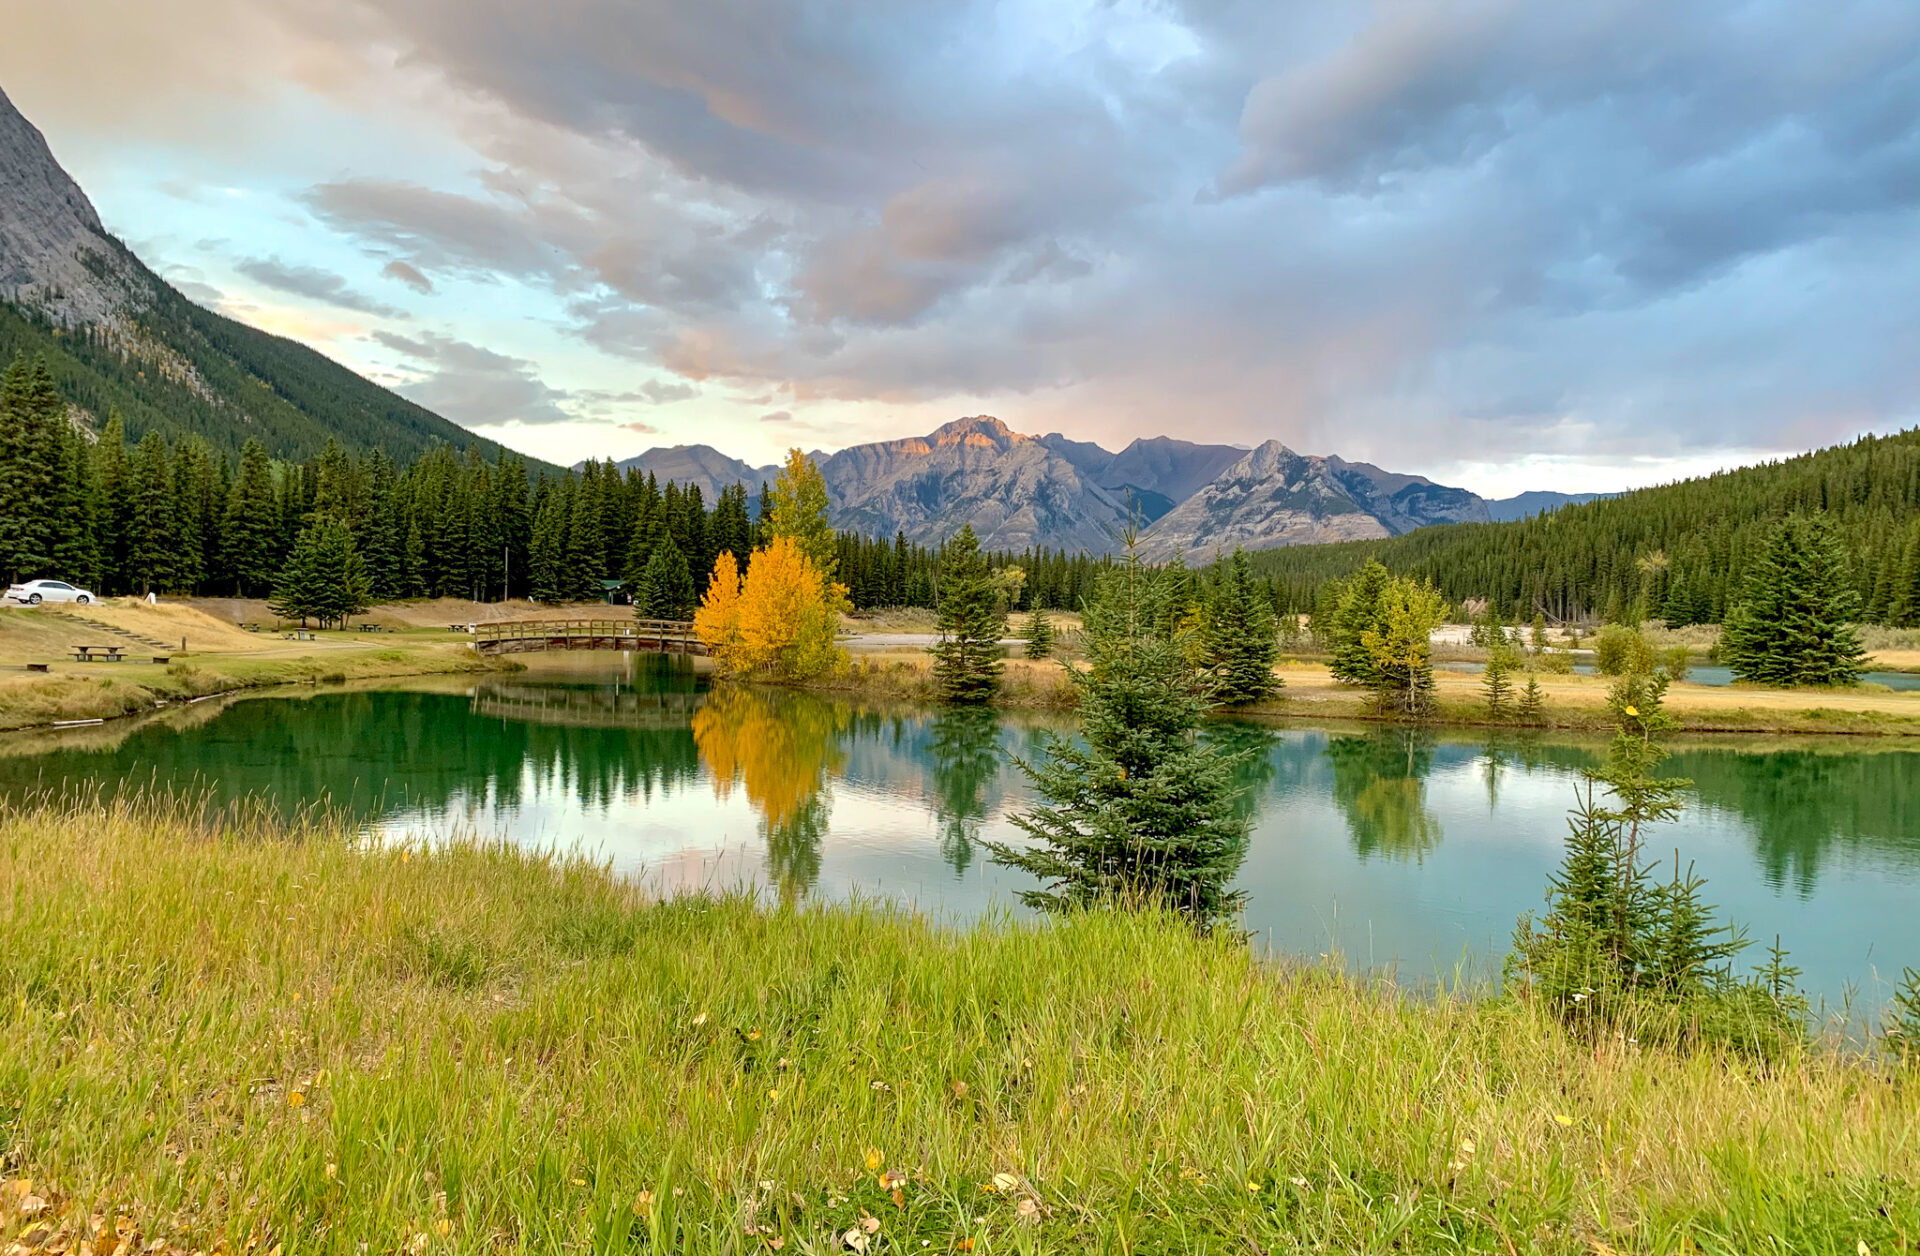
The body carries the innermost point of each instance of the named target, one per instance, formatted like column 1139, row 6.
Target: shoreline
column 1572, row 703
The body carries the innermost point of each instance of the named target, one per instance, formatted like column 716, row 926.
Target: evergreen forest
column 1679, row 552
column 185, row 516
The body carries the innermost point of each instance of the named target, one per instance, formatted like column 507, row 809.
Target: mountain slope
column 117, row 336
column 1154, row 473
column 1274, row 496
column 699, row 464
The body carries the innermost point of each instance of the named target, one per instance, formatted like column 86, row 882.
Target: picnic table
column 298, row 634
column 251, row 627
column 370, row 628
column 99, row 653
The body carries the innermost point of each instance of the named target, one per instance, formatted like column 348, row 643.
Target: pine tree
column 1532, row 703
column 324, row 577
column 1038, row 635
column 666, row 587
column 547, row 576
column 1240, row 641
column 1145, row 812
column 1795, row 624
column 966, row 659
column 1358, row 611
column 1496, row 681
column 151, row 539
column 1904, row 609
column 31, row 461
column 250, row 526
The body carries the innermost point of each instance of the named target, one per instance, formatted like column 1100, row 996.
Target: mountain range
column 118, row 337
column 1019, row 491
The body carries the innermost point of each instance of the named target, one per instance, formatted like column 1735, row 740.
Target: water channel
column 1394, row 847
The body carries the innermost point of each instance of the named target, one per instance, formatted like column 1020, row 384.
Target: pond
column 1718, row 676
column 1391, row 846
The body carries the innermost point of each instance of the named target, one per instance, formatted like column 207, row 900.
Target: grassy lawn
column 219, row 657
column 220, row 1036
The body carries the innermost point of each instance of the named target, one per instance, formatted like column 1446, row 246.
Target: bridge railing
column 532, row 629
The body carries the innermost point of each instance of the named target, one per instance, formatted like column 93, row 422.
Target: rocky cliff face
column 1013, row 489
column 55, row 257
column 1274, row 496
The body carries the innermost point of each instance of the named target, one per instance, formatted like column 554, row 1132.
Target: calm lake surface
column 1393, row 846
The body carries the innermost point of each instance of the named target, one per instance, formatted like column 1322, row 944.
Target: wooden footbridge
column 661, row 636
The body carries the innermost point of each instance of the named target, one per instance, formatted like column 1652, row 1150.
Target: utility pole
column 506, row 576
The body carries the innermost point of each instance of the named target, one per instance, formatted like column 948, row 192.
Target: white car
column 34, row 592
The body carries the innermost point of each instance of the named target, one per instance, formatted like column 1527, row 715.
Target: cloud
column 777, row 416
column 474, row 386
column 313, row 283
column 1394, row 230
column 408, row 275
column 644, row 429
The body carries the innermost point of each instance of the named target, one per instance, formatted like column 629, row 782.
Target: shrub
column 1621, row 651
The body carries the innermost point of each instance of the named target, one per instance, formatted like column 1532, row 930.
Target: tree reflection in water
column 1379, row 784
column 965, row 751
column 781, row 748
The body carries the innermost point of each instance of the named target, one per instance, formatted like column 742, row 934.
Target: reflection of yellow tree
column 1379, row 782
column 781, row 748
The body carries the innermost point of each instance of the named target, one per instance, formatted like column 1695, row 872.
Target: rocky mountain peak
column 981, row 431
column 55, row 256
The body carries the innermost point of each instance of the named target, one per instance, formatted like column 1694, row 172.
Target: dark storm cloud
column 475, row 386
column 1384, row 228
column 313, row 283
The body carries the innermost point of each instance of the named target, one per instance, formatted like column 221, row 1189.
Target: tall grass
column 222, row 1030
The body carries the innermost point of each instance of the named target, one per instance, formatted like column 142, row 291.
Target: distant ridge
column 1018, row 491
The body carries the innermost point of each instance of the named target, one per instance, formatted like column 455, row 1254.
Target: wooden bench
column 98, row 653
column 39, row 667
column 163, row 658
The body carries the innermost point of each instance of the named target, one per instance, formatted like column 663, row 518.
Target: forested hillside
column 242, row 384
column 1677, row 552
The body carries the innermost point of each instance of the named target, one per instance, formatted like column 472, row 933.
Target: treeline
column 1680, row 552
column 183, row 517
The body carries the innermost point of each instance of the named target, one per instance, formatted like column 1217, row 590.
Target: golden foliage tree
column 779, row 620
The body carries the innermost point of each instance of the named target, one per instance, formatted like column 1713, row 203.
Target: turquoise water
column 1410, row 849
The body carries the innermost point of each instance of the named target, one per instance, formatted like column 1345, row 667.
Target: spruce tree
column 666, row 587
column 1038, row 635
column 1904, row 605
column 1496, row 682
column 250, row 524
column 324, row 577
column 1358, row 611
column 151, row 538
column 1795, row 623
column 110, row 479
column 966, row 659
column 1145, row 812
column 1240, row 640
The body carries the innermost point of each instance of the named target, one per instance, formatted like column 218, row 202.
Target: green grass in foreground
column 233, row 1033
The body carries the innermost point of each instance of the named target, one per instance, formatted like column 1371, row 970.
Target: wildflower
column 874, row 1159
column 1563, row 1118
column 296, row 1099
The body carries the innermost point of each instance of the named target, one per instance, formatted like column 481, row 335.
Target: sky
column 1507, row 245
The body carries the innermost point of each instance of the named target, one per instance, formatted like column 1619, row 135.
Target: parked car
column 34, row 592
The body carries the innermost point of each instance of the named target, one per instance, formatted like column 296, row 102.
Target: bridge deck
column 667, row 636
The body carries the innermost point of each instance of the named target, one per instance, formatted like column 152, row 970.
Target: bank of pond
column 1391, row 847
